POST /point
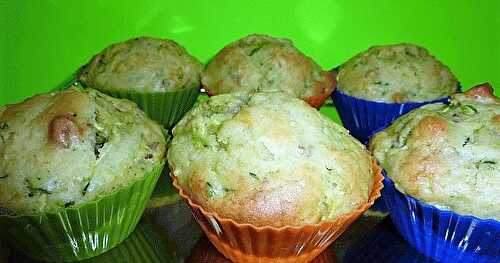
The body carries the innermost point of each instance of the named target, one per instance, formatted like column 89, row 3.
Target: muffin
column 384, row 82
column 396, row 74
column 71, row 158
column 447, row 158
column 158, row 74
column 268, row 160
column 260, row 63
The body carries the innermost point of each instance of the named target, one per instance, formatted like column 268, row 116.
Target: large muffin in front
column 447, row 155
column 269, row 160
column 443, row 184
column 76, row 170
column 396, row 74
column 258, row 63
column 265, row 174
column 157, row 74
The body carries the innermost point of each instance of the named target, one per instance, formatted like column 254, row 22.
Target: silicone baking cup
column 77, row 233
column 205, row 252
column 167, row 108
column 444, row 236
column 241, row 242
column 164, row 193
column 363, row 118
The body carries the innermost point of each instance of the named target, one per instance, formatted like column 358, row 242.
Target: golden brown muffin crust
column 268, row 159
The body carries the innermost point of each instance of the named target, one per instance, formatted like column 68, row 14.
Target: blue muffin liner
column 363, row 118
column 442, row 235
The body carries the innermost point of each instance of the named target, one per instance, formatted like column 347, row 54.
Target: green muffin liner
column 164, row 193
column 167, row 108
column 83, row 232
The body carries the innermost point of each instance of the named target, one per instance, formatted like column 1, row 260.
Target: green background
column 44, row 42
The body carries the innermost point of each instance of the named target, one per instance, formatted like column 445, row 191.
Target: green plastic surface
column 44, row 42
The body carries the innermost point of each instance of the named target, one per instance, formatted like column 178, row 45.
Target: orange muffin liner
column 205, row 252
column 242, row 242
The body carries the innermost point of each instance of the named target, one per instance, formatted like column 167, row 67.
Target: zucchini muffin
column 447, row 155
column 66, row 148
column 396, row 73
column 142, row 64
column 262, row 63
column 268, row 159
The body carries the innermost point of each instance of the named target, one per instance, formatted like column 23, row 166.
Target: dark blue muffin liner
column 363, row 118
column 442, row 235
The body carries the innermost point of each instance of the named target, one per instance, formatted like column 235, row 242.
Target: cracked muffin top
column 65, row 148
column 447, row 155
column 396, row 73
column 268, row 159
column 142, row 64
column 260, row 63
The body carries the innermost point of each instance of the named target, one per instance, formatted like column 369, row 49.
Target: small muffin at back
column 268, row 159
column 258, row 63
column 66, row 148
column 143, row 64
column 447, row 155
column 396, row 73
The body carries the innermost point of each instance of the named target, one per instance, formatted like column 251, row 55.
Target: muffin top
column 396, row 73
column 142, row 64
column 268, row 159
column 264, row 63
column 447, row 155
column 66, row 148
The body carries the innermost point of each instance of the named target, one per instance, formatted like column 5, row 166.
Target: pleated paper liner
column 364, row 117
column 167, row 108
column 248, row 243
column 444, row 236
column 78, row 233
column 205, row 252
